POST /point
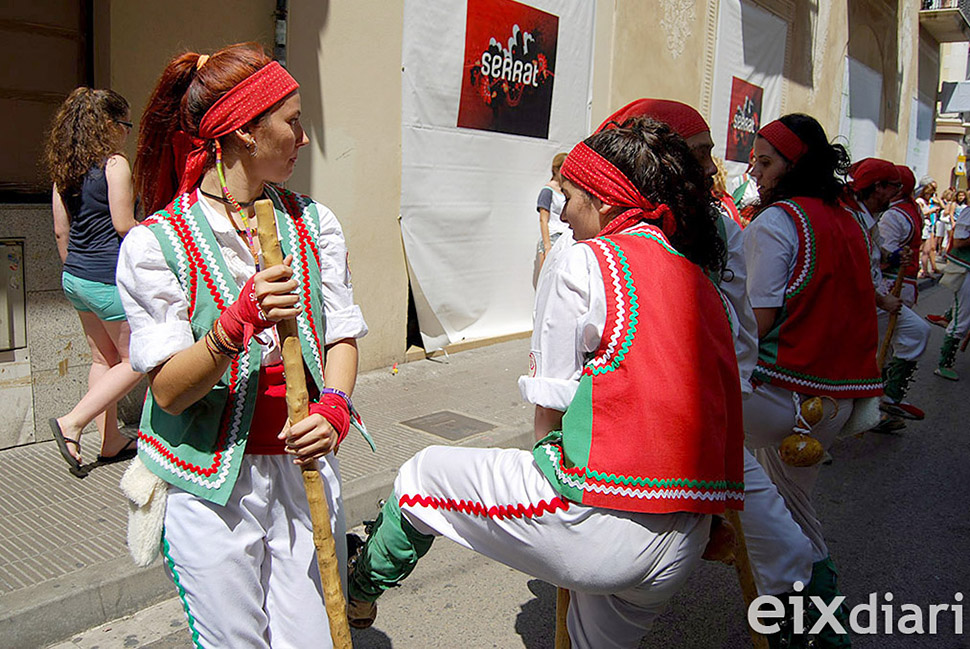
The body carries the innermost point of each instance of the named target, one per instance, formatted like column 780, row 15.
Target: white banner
column 748, row 76
column 859, row 120
column 920, row 133
column 517, row 78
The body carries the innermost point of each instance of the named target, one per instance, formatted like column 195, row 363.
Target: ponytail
column 189, row 85
column 819, row 172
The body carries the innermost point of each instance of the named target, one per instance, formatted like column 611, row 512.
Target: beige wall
column 662, row 49
column 943, row 154
column 347, row 57
column 143, row 36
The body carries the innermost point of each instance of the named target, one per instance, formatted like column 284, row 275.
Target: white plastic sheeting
column 750, row 47
column 468, row 216
column 861, row 98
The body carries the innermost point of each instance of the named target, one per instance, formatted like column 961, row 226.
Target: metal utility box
column 13, row 303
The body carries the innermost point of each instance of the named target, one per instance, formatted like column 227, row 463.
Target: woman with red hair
column 220, row 132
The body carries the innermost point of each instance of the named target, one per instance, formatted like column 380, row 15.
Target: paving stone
column 56, row 528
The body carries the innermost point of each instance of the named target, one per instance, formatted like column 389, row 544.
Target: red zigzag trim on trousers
column 478, row 509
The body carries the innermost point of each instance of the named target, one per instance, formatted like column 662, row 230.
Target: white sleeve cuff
column 548, row 393
column 152, row 345
column 345, row 323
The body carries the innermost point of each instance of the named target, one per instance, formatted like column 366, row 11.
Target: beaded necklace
column 247, row 229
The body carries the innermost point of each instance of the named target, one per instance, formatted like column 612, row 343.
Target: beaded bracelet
column 223, row 337
column 340, row 393
column 216, row 347
column 218, row 342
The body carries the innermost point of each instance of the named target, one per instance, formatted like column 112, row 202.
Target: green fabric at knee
column 390, row 554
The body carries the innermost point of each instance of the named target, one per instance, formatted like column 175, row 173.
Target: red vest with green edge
column 201, row 449
column 914, row 218
column 655, row 424
column 824, row 339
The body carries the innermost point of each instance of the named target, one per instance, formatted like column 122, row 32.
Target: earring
column 252, row 151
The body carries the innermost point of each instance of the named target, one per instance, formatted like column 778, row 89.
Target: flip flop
column 62, row 443
column 124, row 454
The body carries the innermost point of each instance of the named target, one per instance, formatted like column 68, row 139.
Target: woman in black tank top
column 93, row 206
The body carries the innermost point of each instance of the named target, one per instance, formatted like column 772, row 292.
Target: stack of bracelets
column 219, row 343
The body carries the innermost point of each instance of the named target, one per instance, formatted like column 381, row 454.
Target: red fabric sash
column 269, row 415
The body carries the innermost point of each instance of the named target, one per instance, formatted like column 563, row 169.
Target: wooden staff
column 562, row 607
column 745, row 577
column 297, row 408
column 884, row 347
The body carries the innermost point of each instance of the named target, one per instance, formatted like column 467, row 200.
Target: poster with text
column 749, row 61
column 470, row 175
column 510, row 66
column 744, row 119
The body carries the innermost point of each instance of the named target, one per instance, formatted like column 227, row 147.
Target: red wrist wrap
column 243, row 319
column 333, row 408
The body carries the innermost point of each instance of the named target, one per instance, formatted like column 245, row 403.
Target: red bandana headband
column 595, row 174
column 784, row 140
column 869, row 171
column 247, row 100
column 683, row 119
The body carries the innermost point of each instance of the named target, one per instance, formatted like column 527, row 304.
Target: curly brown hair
column 80, row 135
column 661, row 166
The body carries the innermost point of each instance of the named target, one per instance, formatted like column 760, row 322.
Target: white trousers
column 779, row 551
column 769, row 416
column 247, row 571
column 621, row 567
column 910, row 336
column 960, row 322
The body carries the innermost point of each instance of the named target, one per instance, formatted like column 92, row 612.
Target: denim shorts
column 100, row 299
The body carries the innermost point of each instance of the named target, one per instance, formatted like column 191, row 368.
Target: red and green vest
column 655, row 424
column 201, row 449
column 824, row 339
column 909, row 207
column 915, row 218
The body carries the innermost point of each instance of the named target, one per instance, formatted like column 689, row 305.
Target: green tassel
column 824, row 584
column 948, row 351
column 897, row 376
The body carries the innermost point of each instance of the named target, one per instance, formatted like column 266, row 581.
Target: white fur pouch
column 146, row 495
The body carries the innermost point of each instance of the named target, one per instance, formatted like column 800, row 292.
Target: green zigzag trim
column 663, row 242
column 664, row 482
column 659, row 483
column 810, row 253
column 809, row 377
column 633, row 303
column 181, row 592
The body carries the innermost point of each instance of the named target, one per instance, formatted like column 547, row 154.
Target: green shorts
column 100, row 299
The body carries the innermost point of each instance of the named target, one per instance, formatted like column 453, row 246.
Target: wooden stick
column 746, row 578
column 884, row 347
column 297, row 407
column 562, row 607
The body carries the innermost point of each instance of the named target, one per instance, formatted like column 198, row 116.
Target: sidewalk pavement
column 64, row 566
